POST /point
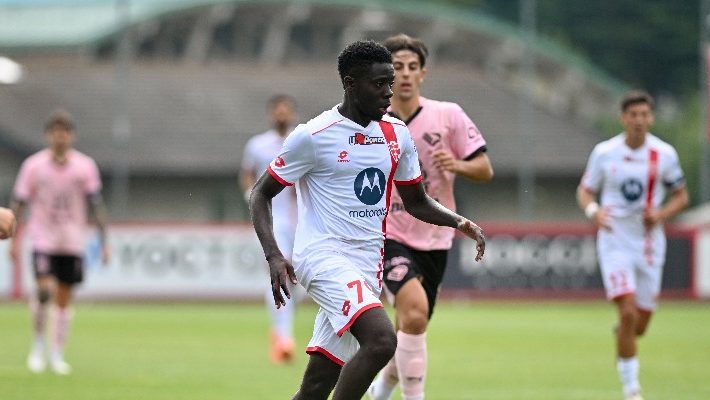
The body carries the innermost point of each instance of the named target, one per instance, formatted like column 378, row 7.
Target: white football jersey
column 260, row 150
column 632, row 179
column 344, row 174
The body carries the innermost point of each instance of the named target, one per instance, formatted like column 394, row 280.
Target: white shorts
column 631, row 261
column 344, row 287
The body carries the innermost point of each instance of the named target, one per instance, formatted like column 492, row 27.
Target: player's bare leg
column 62, row 320
column 410, row 361
column 39, row 308
column 627, row 362
column 319, row 379
column 375, row 334
column 644, row 318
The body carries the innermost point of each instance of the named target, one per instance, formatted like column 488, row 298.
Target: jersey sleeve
column 23, row 185
column 466, row 139
column 593, row 174
column 408, row 172
column 673, row 175
column 296, row 158
column 92, row 185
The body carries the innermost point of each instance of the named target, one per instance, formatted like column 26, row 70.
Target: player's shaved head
column 357, row 57
column 405, row 42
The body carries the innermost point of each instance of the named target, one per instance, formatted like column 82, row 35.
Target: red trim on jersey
column 321, row 130
column 380, row 267
column 356, row 315
column 652, row 177
column 390, row 136
column 318, row 349
column 410, row 182
column 277, row 177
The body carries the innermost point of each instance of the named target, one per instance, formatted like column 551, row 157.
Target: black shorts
column 65, row 268
column 403, row 263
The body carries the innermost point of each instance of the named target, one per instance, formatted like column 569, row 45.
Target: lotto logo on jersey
column 370, row 186
column 363, row 139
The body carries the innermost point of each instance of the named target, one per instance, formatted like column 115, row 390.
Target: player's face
column 637, row 119
column 282, row 115
column 409, row 74
column 372, row 91
column 60, row 138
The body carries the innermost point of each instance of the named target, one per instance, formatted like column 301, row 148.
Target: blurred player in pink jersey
column 449, row 144
column 60, row 185
column 260, row 150
column 632, row 173
column 345, row 163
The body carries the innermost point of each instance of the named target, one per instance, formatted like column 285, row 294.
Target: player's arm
column 478, row 167
column 8, row 223
column 97, row 208
column 676, row 203
column 586, row 200
column 18, row 209
column 424, row 208
column 281, row 271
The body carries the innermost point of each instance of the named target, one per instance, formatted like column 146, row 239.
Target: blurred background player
column 8, row 223
column 632, row 173
column 60, row 185
column 449, row 144
column 344, row 187
column 260, row 150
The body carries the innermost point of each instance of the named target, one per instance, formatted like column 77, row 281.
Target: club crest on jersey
column 363, row 139
column 632, row 189
column 279, row 162
column 370, row 186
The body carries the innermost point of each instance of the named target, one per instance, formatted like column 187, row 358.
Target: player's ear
column 423, row 75
column 348, row 82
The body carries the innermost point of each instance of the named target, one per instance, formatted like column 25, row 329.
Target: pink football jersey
column 57, row 195
column 436, row 126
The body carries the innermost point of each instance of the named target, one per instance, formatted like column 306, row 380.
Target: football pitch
column 478, row 350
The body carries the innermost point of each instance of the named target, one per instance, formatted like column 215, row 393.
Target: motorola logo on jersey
column 363, row 139
column 632, row 189
column 370, row 186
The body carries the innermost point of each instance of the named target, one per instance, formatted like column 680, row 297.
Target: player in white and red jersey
column 344, row 164
column 60, row 185
column 449, row 144
column 633, row 173
column 260, row 150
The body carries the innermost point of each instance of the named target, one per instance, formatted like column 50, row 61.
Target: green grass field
column 479, row 350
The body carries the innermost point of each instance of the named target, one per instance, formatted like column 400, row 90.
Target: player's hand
column 475, row 232
column 651, row 217
column 281, row 275
column 8, row 223
column 601, row 219
column 443, row 160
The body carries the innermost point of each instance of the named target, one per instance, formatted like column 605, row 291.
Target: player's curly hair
column 357, row 56
column 405, row 42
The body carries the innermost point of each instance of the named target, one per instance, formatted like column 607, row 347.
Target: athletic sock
column 383, row 386
column 39, row 320
column 628, row 369
column 62, row 321
column 411, row 359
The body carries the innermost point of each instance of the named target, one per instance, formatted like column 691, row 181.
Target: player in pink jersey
column 60, row 185
column 632, row 173
column 258, row 153
column 344, row 164
column 449, row 144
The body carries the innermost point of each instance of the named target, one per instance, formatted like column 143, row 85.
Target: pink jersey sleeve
column 23, row 185
column 466, row 139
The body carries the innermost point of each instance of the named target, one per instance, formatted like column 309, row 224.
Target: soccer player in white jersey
column 260, row 150
column 448, row 144
column 632, row 173
column 60, row 184
column 344, row 164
